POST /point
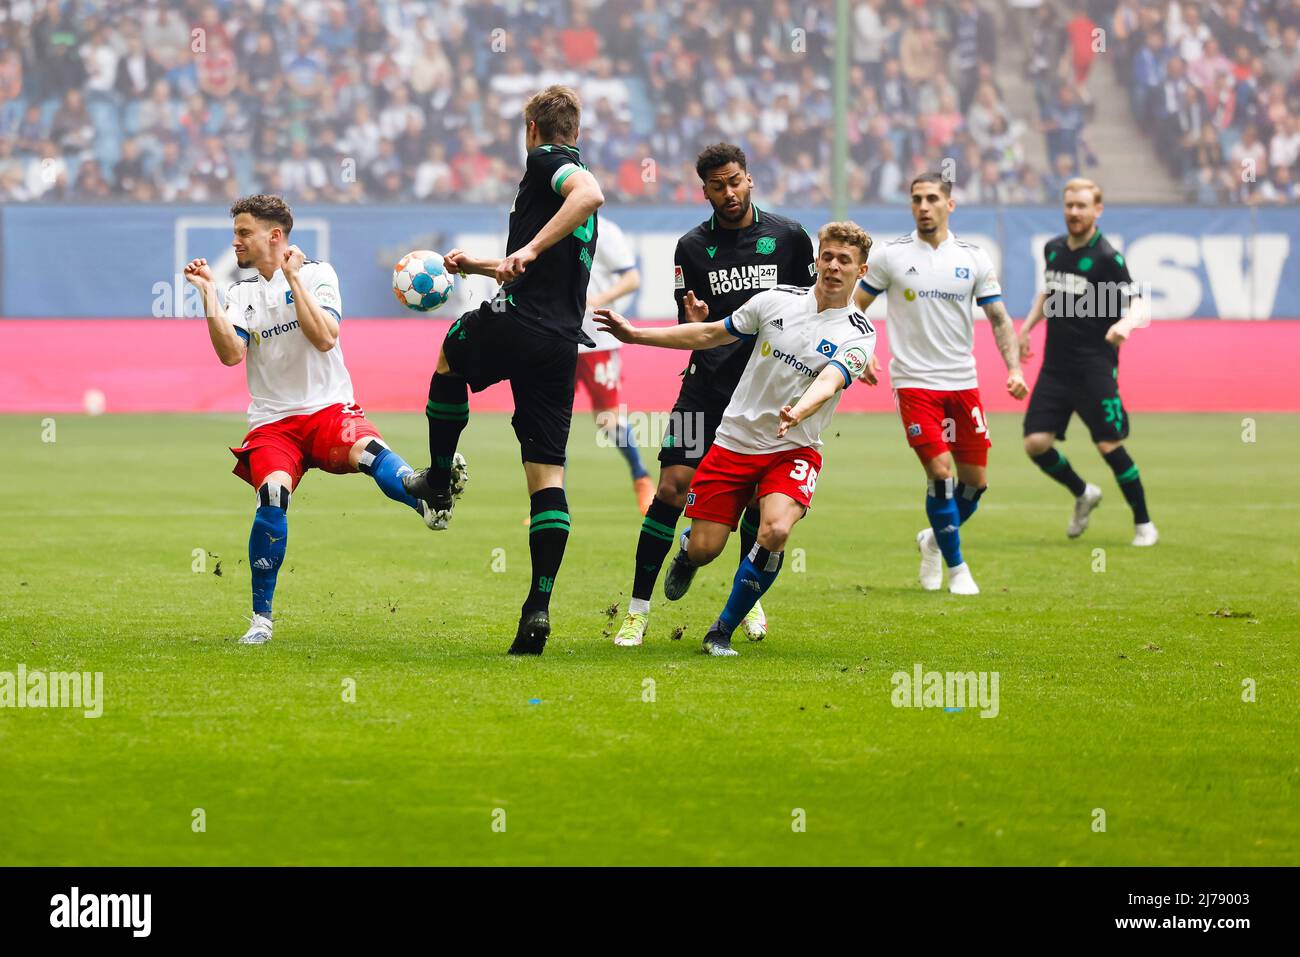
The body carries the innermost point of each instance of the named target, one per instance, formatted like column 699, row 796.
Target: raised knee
column 671, row 493
column 773, row 535
column 702, row 552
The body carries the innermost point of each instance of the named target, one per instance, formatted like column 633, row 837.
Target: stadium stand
column 369, row 100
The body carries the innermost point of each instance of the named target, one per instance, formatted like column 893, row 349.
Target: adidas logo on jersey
column 911, row 271
column 777, row 324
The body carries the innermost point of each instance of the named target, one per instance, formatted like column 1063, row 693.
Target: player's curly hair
column 267, row 208
column 847, row 232
column 557, row 112
column 719, row 154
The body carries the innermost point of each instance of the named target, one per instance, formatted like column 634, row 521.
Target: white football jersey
column 287, row 375
column 613, row 258
column 931, row 293
column 793, row 343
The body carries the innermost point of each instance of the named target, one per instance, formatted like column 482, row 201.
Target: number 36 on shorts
column 802, row 470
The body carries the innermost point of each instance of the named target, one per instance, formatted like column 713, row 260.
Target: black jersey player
column 737, row 252
column 1091, row 306
column 527, row 334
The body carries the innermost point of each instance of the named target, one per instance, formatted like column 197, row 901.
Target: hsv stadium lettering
column 742, row 277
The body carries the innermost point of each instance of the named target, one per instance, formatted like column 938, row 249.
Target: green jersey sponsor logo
column 586, row 230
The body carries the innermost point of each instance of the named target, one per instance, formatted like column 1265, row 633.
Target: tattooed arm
column 1005, row 334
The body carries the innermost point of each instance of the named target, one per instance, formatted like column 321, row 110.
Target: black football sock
column 658, row 533
column 1058, row 467
column 548, row 533
column 748, row 529
column 1126, row 474
column 968, row 499
column 448, row 414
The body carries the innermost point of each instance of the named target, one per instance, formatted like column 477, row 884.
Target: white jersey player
column 809, row 345
column 614, row 277
column 284, row 321
column 933, row 281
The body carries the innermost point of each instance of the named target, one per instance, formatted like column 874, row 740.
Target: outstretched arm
column 687, row 335
column 1005, row 334
column 823, row 388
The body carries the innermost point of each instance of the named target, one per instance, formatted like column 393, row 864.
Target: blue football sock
column 387, row 468
column 945, row 519
column 968, row 499
column 266, row 544
column 753, row 578
column 625, row 442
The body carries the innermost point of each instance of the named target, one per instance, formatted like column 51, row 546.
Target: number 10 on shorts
column 950, row 425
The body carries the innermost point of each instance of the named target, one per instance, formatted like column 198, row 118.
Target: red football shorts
column 599, row 373
column 295, row 444
column 944, row 420
column 726, row 481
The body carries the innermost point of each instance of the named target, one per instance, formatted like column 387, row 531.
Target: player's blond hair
column 556, row 110
column 1080, row 182
column 847, row 232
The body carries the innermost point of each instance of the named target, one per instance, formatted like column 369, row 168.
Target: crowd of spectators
column 1217, row 85
column 406, row 100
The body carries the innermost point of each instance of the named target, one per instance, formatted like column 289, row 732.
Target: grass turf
column 1119, row 689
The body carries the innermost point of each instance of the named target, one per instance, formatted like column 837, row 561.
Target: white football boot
column 259, row 632
column 1083, row 506
column 632, row 632
column 960, row 581
column 1145, row 535
column 931, row 574
column 754, row 624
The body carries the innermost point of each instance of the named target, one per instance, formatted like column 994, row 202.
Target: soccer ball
column 420, row 282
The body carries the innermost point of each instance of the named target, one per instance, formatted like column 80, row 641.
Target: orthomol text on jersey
column 742, row 277
column 911, row 295
column 790, row 359
column 278, row 328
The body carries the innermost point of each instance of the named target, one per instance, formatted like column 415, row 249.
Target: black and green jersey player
column 1092, row 306
column 528, row 334
column 737, row 252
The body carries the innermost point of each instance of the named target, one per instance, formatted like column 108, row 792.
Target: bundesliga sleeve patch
column 855, row 360
column 679, row 279
column 327, row 296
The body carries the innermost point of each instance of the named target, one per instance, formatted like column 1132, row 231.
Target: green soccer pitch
column 1122, row 671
